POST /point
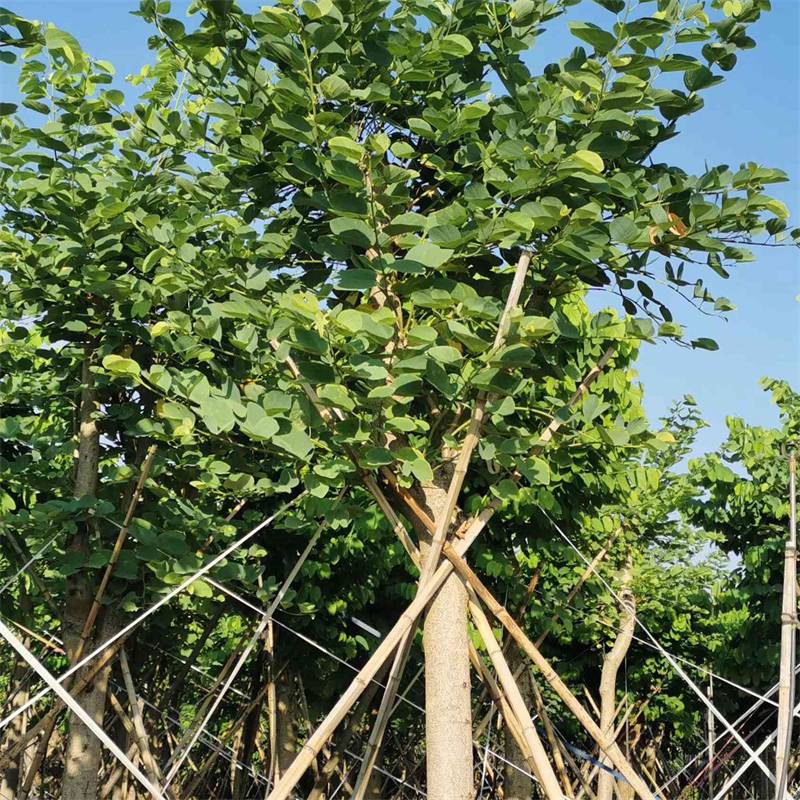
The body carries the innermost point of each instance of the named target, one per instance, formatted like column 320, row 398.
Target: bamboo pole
column 313, row 746
column 465, row 534
column 710, row 720
column 539, row 761
column 788, row 636
column 94, row 610
column 332, row 763
column 138, row 723
column 555, row 747
column 474, row 429
column 585, row 575
column 607, row 745
column 77, row 709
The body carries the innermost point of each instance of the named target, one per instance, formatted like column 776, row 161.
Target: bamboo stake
column 585, row 575
column 499, row 700
column 788, row 637
column 312, row 747
column 540, row 763
column 372, row 752
column 272, row 703
column 558, row 760
column 48, row 722
column 77, row 709
column 189, row 788
column 474, row 430
column 116, row 774
column 134, row 623
column 468, row 528
column 332, row 763
column 91, row 617
column 710, row 720
column 609, row 747
column 138, row 723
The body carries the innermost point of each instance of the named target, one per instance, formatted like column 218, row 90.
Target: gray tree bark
column 286, row 718
column 608, row 678
column 83, row 749
column 448, row 712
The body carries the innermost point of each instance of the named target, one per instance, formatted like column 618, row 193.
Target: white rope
column 77, row 709
column 719, row 737
column 212, row 742
column 245, row 602
column 739, row 772
column 217, row 700
column 486, row 753
column 673, row 663
column 167, row 597
column 692, row 664
column 285, row 586
column 347, row 664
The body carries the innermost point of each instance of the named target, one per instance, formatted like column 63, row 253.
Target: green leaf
column 352, row 320
column 456, row 45
column 334, row 395
column 360, row 280
column 120, row 366
column 623, row 230
column 406, row 223
column 217, row 414
column 704, row 344
column 430, row 255
column 333, row 87
column 7, row 108
column 318, row 9
column 421, row 470
column 297, row 442
column 347, row 148
column 588, row 160
column 536, row 470
column 220, row 109
column 200, row 588
column 373, row 457
column 699, row 78
column 258, row 424
column 353, row 231
column 602, row 41
column 444, row 354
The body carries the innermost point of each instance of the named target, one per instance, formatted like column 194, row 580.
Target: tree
column 326, row 242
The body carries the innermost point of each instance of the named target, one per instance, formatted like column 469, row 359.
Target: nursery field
column 324, row 472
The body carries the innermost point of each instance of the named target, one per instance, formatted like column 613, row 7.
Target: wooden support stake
column 539, row 761
column 552, row 740
column 313, row 746
column 138, row 723
column 609, row 747
column 788, row 637
column 112, row 561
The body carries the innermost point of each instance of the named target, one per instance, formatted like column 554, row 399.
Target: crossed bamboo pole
column 408, row 619
column 439, row 533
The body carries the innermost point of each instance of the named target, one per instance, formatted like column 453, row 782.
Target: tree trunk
column 286, row 717
column 608, row 679
column 448, row 712
column 517, row 785
column 83, row 749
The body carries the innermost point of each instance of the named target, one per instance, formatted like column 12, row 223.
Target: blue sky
column 753, row 116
